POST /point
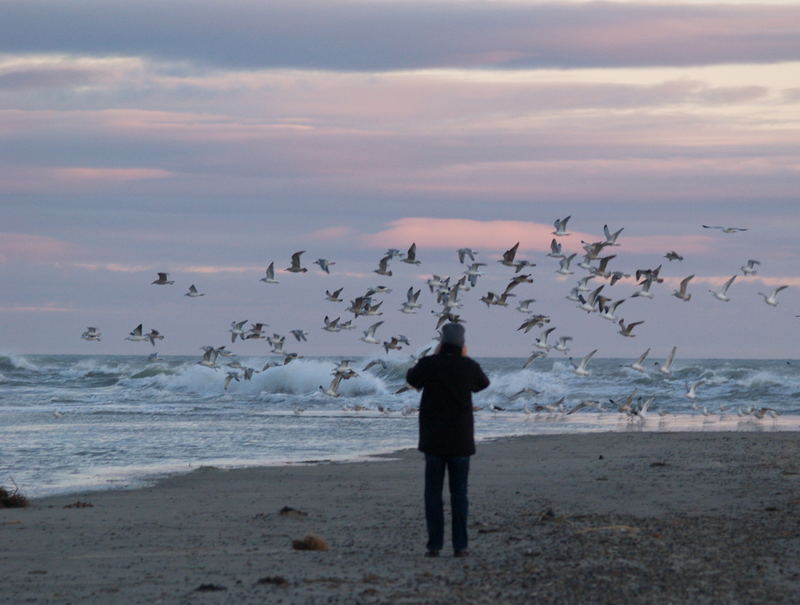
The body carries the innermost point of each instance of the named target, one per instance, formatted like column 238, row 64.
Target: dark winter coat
column 447, row 380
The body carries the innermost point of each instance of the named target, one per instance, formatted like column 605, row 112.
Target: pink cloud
column 115, row 267
column 456, row 233
column 86, row 173
column 718, row 280
column 34, row 248
column 211, row 269
column 459, row 232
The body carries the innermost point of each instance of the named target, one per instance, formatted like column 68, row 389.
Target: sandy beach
column 592, row 518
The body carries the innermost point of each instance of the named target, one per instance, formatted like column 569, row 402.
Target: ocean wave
column 11, row 362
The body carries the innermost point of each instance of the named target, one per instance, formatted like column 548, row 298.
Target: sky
column 207, row 139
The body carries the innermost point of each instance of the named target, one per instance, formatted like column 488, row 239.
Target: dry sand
column 597, row 518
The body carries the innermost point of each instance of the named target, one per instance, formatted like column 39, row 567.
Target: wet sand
column 593, row 518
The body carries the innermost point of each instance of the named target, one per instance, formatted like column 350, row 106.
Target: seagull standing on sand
column 162, row 280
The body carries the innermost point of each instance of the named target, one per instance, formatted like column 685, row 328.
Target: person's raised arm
column 416, row 375
column 480, row 381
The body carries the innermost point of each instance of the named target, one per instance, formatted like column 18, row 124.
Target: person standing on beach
column 446, row 432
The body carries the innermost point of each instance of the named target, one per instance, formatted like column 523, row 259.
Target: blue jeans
column 457, row 471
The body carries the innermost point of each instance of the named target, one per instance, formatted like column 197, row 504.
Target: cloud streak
column 25, row 247
column 498, row 235
column 360, row 36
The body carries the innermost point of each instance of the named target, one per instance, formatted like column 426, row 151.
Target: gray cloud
column 23, row 79
column 360, row 36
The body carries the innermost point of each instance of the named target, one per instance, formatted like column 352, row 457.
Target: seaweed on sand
column 12, row 499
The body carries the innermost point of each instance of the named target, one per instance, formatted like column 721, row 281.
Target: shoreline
column 635, row 517
column 588, row 424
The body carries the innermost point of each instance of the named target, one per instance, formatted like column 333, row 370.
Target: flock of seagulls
column 589, row 295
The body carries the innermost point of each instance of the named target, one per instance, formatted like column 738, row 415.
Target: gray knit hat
column 452, row 334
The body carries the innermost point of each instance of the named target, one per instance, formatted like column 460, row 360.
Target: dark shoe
column 461, row 553
column 432, row 553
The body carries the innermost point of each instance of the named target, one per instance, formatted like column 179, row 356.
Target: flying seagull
column 193, row 293
column 324, row 264
column 296, row 267
column 269, row 278
column 749, row 268
column 411, row 255
column 508, row 256
column 581, row 369
column 383, row 266
column 369, row 334
column 725, row 229
column 333, row 296
column 628, row 330
column 637, row 365
column 136, row 335
column 466, row 252
column 722, row 293
column 162, row 280
column 91, row 334
column 561, row 226
column 611, row 238
column 666, row 367
column 772, row 299
column 681, row 291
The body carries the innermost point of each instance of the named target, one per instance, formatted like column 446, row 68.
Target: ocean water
column 74, row 423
